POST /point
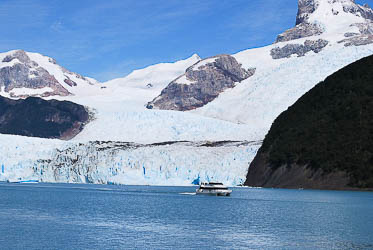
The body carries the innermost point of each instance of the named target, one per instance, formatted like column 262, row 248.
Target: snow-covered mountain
column 25, row 74
column 121, row 115
column 201, row 84
column 155, row 76
column 338, row 18
column 293, row 65
column 329, row 34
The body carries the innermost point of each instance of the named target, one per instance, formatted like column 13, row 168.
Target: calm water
column 62, row 216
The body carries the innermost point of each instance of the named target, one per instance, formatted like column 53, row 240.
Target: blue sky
column 106, row 39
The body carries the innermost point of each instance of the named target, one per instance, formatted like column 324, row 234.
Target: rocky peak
column 316, row 17
column 305, row 8
column 18, row 54
column 24, row 74
column 201, row 84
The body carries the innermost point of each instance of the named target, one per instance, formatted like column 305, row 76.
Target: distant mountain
column 153, row 77
column 201, row 84
column 36, row 117
column 321, row 25
column 24, row 74
column 320, row 17
column 324, row 140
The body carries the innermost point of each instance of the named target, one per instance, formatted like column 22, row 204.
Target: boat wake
column 187, row 193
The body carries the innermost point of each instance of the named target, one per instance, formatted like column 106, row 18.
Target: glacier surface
column 170, row 163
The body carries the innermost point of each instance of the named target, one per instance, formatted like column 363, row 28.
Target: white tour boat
column 213, row 188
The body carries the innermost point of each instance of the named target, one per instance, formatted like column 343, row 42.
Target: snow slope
column 120, row 113
column 276, row 85
column 158, row 75
column 335, row 17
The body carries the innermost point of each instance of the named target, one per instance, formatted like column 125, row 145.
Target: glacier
column 98, row 162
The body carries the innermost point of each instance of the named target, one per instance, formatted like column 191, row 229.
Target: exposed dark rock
column 305, row 8
column 298, row 49
column 364, row 37
column 324, row 140
column 304, row 28
column 36, row 117
column 294, row 176
column 358, row 41
column 69, row 82
column 300, row 31
column 68, row 72
column 21, row 72
column 350, row 34
column 201, row 84
column 28, row 74
column 364, row 28
column 363, row 11
column 51, row 60
column 20, row 55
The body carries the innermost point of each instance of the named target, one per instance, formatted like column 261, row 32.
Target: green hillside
column 330, row 127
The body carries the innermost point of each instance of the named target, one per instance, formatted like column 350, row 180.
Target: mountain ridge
column 317, row 17
column 24, row 74
column 319, row 25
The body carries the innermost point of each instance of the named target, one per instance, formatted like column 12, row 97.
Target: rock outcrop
column 364, row 37
column 325, row 139
column 298, row 49
column 351, row 7
column 20, row 77
column 305, row 8
column 24, row 73
column 36, row 117
column 300, row 31
column 306, row 26
column 201, row 84
column 293, row 176
column 303, row 28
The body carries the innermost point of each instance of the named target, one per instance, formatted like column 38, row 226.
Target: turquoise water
column 64, row 216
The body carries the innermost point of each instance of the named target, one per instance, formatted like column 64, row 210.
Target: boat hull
column 22, row 181
column 214, row 192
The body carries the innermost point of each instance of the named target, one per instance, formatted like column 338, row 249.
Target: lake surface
column 67, row 216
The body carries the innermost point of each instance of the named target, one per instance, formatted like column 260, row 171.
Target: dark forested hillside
column 328, row 133
column 40, row 118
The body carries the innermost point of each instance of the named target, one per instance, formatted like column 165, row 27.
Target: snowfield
column 275, row 86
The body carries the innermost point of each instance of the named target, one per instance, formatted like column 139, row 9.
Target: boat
column 213, row 188
column 20, row 180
